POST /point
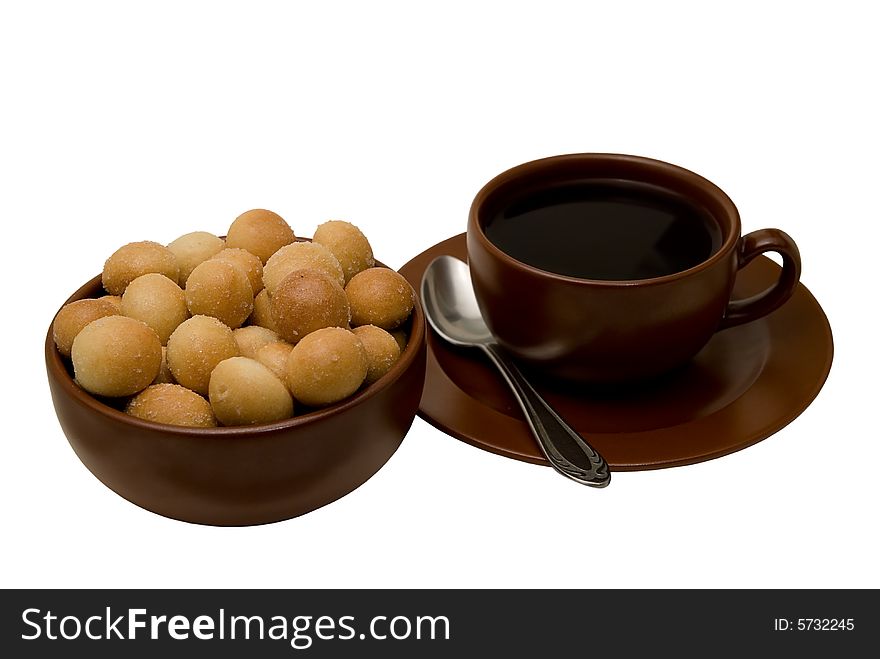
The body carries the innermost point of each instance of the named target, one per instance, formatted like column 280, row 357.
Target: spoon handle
column 566, row 450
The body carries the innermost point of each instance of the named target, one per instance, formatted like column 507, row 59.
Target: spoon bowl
column 450, row 303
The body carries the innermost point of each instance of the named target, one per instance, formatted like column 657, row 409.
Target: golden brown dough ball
column 401, row 338
column 116, row 356
column 274, row 357
column 251, row 339
column 74, row 317
column 248, row 262
column 260, row 232
column 380, row 297
column 305, row 301
column 195, row 348
column 172, row 404
column 135, row 259
column 194, row 248
column 157, row 301
column 262, row 314
column 301, row 256
column 221, row 290
column 244, row 392
column 116, row 300
column 381, row 348
column 326, row 366
column 165, row 376
column 348, row 244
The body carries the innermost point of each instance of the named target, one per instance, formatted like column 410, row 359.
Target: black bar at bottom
column 436, row 623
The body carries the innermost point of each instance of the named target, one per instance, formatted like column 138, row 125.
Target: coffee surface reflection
column 605, row 230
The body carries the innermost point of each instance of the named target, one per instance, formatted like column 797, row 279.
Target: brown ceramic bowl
column 241, row 475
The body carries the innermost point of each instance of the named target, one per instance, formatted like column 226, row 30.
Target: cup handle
column 750, row 246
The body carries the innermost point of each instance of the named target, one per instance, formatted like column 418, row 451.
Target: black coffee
column 605, row 230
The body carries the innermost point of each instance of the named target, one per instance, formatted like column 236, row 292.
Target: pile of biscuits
column 207, row 331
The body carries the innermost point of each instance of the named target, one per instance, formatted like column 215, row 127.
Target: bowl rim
column 58, row 371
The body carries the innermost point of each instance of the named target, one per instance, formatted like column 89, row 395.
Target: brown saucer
column 747, row 383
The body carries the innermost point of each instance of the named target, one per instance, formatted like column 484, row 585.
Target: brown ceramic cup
column 607, row 331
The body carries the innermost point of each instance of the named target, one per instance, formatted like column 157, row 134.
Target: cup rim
column 674, row 171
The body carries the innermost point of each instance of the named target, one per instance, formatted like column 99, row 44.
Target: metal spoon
column 451, row 309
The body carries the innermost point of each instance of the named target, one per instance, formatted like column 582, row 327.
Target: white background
column 134, row 121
